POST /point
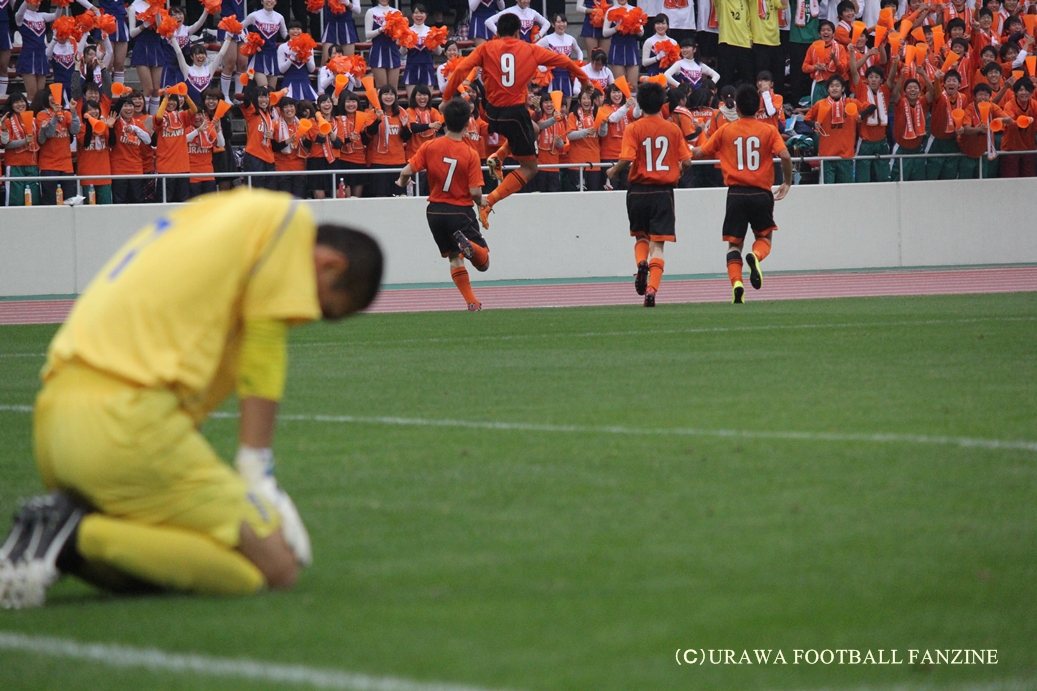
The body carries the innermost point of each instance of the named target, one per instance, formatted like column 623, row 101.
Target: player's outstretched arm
column 549, row 58
column 786, row 172
column 460, row 73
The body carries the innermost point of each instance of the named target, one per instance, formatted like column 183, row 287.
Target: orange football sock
column 761, row 248
column 641, row 251
column 655, row 273
column 734, row 266
column 503, row 152
column 513, row 182
column 460, row 276
column 481, row 257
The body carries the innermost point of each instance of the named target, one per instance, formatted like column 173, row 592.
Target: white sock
column 119, row 77
column 153, row 104
column 225, row 81
column 238, row 86
column 3, row 85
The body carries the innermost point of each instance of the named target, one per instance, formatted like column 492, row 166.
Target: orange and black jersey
column 655, row 149
column 508, row 66
column 453, row 168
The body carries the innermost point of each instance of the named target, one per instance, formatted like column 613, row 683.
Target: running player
column 655, row 151
column 745, row 147
column 196, row 305
column 455, row 180
column 508, row 66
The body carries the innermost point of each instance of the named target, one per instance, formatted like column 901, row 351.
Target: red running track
column 786, row 286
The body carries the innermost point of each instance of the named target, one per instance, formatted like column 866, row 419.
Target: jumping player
column 745, row 147
column 508, row 66
column 455, row 180
column 656, row 152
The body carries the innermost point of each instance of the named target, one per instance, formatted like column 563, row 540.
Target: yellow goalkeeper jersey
column 168, row 309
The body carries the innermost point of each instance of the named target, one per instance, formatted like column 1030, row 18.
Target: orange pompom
column 632, row 21
column 340, row 64
column 395, row 25
column 407, row 40
column 60, row 3
column 167, row 26
column 436, row 37
column 213, row 7
column 302, row 45
column 336, row 6
column 598, row 13
column 86, row 22
column 542, row 77
column 668, row 52
column 534, row 33
column 231, row 25
column 106, row 23
column 253, row 45
column 450, row 65
column 359, row 68
column 64, row 27
column 314, row 6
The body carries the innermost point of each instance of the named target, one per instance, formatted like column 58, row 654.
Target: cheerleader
column 425, row 123
column 592, row 35
column 339, row 29
column 528, row 18
column 389, row 133
column 597, row 74
column 259, row 135
column 93, row 149
column 32, row 61
column 384, row 58
column 649, row 57
column 120, row 40
column 419, row 68
column 353, row 153
column 295, row 68
column 321, row 149
column 450, row 51
column 234, row 64
column 5, row 45
column 551, row 145
column 18, row 139
column 624, row 58
column 481, row 10
column 289, row 156
column 326, row 78
column 56, row 127
column 148, row 52
column 62, row 55
column 564, row 44
column 269, row 24
column 619, row 112
column 198, row 75
column 202, row 138
column 584, row 138
column 130, row 134
column 172, row 74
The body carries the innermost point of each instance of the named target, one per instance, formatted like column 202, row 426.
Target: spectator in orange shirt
column 204, row 136
column 976, row 140
column 943, row 133
column 825, row 58
column 1018, row 138
column 56, row 128
column 618, row 113
column 93, row 153
column 131, row 132
column 425, row 123
column 289, row 156
column 259, row 135
column 911, row 110
column 837, row 130
column 844, row 30
column 171, row 122
column 551, row 145
column 18, row 138
column 982, row 32
column 874, row 98
column 583, row 134
column 321, row 149
column 389, row 134
column 352, row 155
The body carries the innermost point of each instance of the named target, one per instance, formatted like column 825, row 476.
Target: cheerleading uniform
column 32, row 26
column 5, row 26
column 147, row 46
column 341, row 28
column 648, row 50
column 565, row 45
column 624, row 49
column 63, row 62
column 481, row 11
column 296, row 73
column 528, row 18
column 420, row 69
column 269, row 24
column 385, row 54
column 171, row 75
column 589, row 30
column 231, row 8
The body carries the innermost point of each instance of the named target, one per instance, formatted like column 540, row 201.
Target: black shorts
column 446, row 219
column 514, row 124
column 650, row 209
column 748, row 206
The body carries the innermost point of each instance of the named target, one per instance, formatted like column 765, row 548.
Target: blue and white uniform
column 147, row 46
column 5, row 25
column 118, row 10
column 481, row 11
column 269, row 24
column 385, row 54
column 296, row 73
column 648, row 51
column 563, row 45
column 341, row 28
column 420, row 69
column 171, row 75
column 528, row 18
column 32, row 26
column 231, row 8
column 624, row 49
column 63, row 62
column 589, row 30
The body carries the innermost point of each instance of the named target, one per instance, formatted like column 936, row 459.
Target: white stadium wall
column 56, row 251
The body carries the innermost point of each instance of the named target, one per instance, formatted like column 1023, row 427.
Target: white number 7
column 452, row 162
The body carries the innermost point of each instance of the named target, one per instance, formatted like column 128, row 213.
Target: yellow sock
column 167, row 557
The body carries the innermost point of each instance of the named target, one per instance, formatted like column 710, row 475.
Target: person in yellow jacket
column 194, row 307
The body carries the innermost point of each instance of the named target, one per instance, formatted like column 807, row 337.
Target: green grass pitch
column 569, row 552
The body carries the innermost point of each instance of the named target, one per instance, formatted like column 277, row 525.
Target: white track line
column 299, row 675
column 181, row 663
column 880, row 438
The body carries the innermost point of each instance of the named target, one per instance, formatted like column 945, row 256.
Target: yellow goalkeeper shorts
column 133, row 453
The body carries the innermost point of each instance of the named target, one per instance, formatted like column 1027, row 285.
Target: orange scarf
column 914, row 117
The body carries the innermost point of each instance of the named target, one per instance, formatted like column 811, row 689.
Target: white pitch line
column 299, row 675
column 185, row 663
column 879, row 438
